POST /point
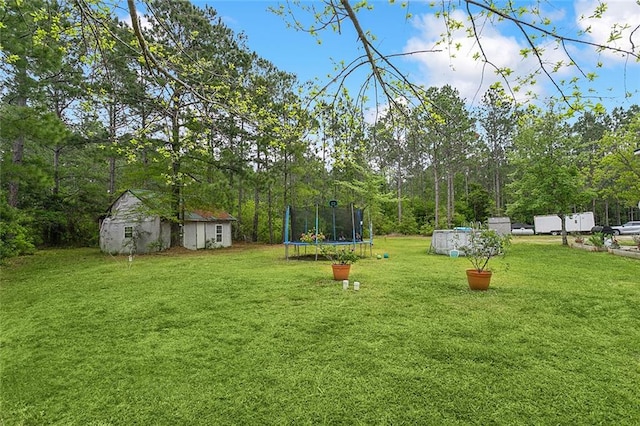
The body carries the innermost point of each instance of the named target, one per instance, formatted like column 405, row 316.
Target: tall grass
column 243, row 336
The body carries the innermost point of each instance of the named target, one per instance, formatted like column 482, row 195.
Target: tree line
column 178, row 103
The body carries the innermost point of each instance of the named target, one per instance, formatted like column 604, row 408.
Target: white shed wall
column 502, row 225
column 149, row 232
column 197, row 234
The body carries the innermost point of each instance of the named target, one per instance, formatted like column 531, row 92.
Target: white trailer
column 580, row 222
column 547, row 224
column 551, row 224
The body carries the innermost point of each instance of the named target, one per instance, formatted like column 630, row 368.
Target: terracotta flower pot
column 478, row 280
column 340, row 272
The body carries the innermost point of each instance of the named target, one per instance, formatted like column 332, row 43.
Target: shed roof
column 160, row 203
column 208, row 216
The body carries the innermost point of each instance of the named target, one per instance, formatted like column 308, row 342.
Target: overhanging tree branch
column 345, row 10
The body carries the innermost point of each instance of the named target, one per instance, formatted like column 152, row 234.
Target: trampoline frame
column 360, row 243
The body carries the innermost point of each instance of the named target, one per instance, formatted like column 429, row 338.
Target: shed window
column 218, row 233
column 128, row 231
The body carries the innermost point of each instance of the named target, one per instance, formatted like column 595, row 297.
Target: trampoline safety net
column 336, row 223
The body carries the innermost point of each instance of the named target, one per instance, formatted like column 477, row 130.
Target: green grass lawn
column 243, row 336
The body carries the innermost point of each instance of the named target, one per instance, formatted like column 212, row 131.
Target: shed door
column 201, row 235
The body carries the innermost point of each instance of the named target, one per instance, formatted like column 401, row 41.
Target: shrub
column 15, row 238
column 597, row 239
column 483, row 245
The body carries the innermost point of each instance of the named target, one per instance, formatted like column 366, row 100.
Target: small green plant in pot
column 483, row 245
column 341, row 258
column 339, row 255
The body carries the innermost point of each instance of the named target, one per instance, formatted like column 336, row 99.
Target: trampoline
column 340, row 226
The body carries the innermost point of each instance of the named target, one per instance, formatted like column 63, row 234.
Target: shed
column 137, row 222
column 207, row 229
column 502, row 225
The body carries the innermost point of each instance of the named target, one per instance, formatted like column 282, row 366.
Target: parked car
column 632, row 227
column 606, row 229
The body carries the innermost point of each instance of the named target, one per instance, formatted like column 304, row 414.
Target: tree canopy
column 172, row 100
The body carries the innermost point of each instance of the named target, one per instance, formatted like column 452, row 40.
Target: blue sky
column 299, row 53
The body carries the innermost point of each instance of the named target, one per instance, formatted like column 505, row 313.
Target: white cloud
column 502, row 44
column 145, row 24
column 455, row 65
column 623, row 16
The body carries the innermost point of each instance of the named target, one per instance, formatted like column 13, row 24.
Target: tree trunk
column 285, row 200
column 112, row 141
column 57, row 150
column 450, row 199
column 269, row 199
column 399, row 190
column 240, row 228
column 498, row 191
column 176, row 184
column 256, row 203
column 270, row 215
column 436, row 190
column 176, row 209
column 239, row 216
column 176, row 206
column 564, row 230
column 112, row 175
column 256, row 216
column 17, row 156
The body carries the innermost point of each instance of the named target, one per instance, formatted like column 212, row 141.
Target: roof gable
column 140, row 201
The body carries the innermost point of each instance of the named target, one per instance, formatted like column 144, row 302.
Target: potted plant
column 341, row 259
column 482, row 246
column 597, row 240
column 579, row 239
column 312, row 237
